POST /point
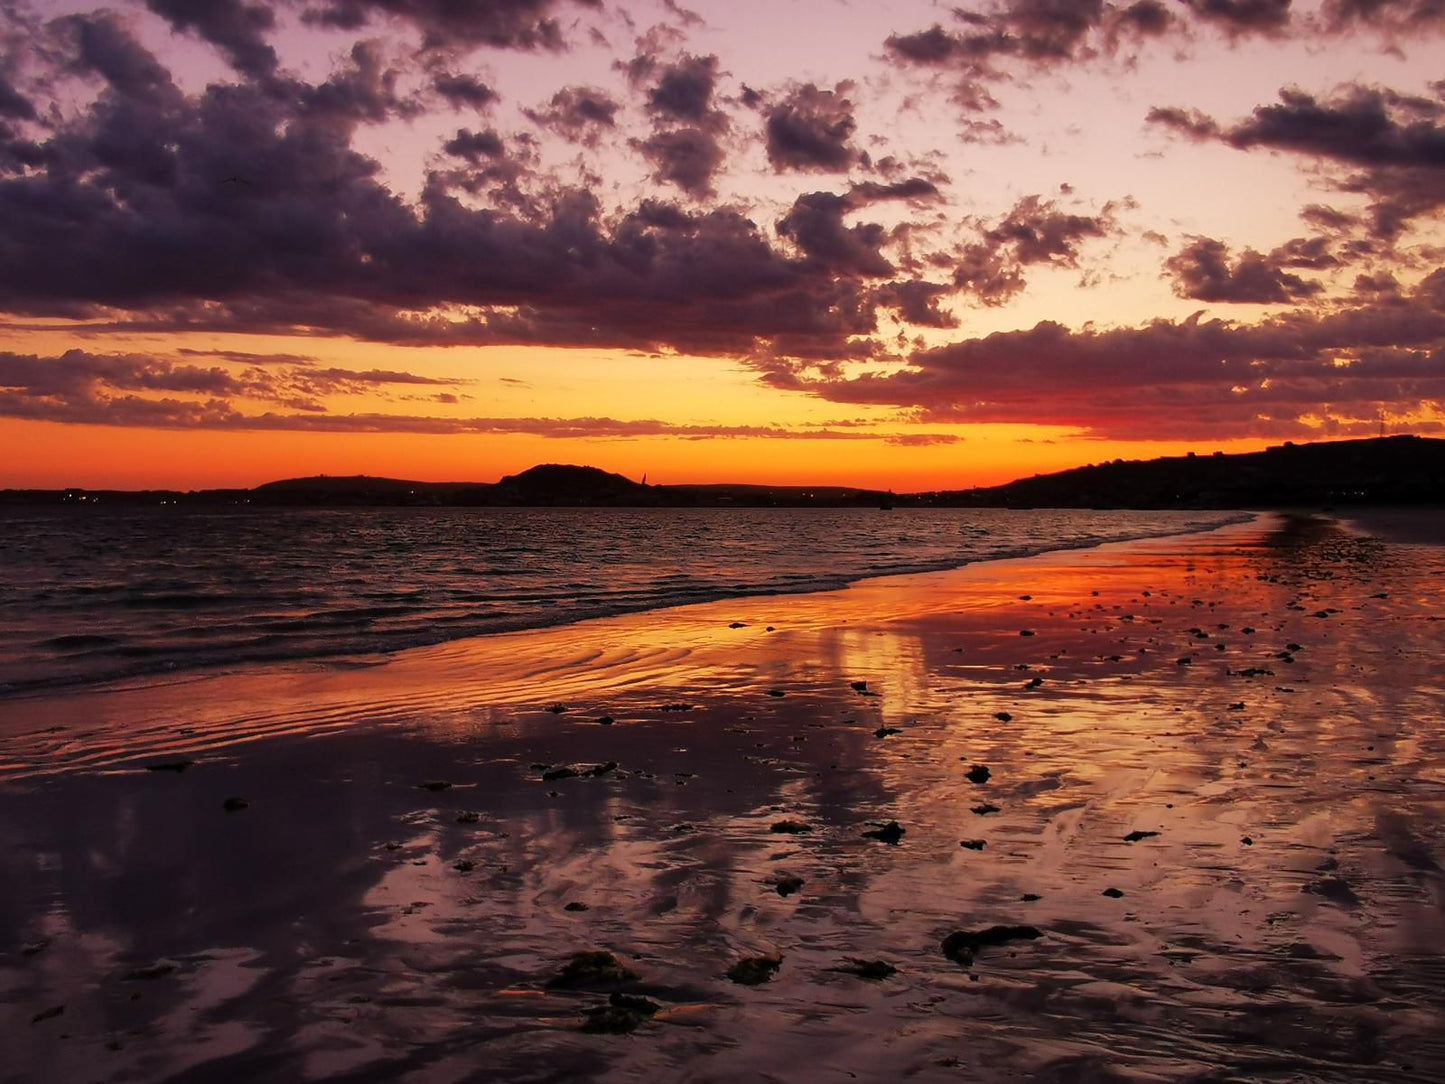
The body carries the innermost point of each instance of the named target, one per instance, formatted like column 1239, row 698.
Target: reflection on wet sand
column 1237, row 736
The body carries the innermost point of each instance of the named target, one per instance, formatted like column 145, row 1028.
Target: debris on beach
column 606, row 720
column 737, row 624
column 1334, row 889
column 1136, row 835
column 776, row 692
column 887, row 731
column 1002, row 716
column 558, row 709
column 434, row 785
column 859, row 686
column 978, row 774
column 622, row 1013
column 564, row 772
column 962, row 946
column 47, row 1014
column 169, row 766
column 235, row 804
column 755, row 970
column 468, row 816
column 872, row 970
column 973, row 844
column 675, row 707
column 1112, row 893
column 576, row 905
column 786, row 884
column 590, row 969
column 148, row 973
column 464, row 865
column 889, row 833
column 1031, row 897
column 790, row 827
column 984, row 809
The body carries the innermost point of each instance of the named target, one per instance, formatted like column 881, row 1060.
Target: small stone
column 1026, row 632
column 787, row 885
column 973, row 844
column 962, row 946
column 576, row 906
column 622, row 1013
column 47, row 1014
column 1112, row 893
column 434, row 785
column 1031, row 897
column 872, row 970
column 177, row 766
column 1247, row 841
column 886, row 731
column 591, row 969
column 776, row 692
column 978, row 774
column 859, row 686
column 737, row 624
column 985, row 809
column 1002, row 716
column 557, row 709
column 755, row 970
column 1136, row 835
column 606, row 720
column 464, row 865
column 467, row 816
column 790, row 827
column 235, row 805
column 564, row 772
column 889, row 833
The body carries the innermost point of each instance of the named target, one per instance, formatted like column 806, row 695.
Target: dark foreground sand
column 1286, row 922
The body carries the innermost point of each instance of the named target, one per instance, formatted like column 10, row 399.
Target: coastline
column 330, row 924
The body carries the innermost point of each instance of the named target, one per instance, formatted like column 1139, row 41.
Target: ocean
column 93, row 595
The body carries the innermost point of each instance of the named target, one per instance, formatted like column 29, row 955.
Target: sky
column 908, row 245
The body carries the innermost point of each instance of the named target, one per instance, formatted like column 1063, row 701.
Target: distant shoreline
column 1380, row 471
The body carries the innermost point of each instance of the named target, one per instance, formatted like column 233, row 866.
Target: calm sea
column 93, row 595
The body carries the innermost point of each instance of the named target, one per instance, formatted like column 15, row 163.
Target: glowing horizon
column 893, row 247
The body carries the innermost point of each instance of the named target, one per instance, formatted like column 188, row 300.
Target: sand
column 1211, row 855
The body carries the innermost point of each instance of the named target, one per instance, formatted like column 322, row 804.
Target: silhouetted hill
column 1380, row 471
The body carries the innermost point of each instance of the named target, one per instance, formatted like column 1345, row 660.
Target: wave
column 400, row 617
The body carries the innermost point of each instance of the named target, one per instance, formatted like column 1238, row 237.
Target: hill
column 1378, row 471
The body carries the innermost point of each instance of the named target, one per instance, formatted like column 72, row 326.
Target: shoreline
column 161, row 674
column 395, row 899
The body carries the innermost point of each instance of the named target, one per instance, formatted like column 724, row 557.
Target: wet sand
column 1241, row 734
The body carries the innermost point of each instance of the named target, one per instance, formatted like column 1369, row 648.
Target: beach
column 1176, row 807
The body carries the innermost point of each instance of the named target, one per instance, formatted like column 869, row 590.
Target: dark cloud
column 577, row 113
column 1202, row 271
column 1243, row 16
column 686, row 157
column 473, row 147
column 1395, row 141
column 450, row 24
column 460, row 90
column 918, row 302
column 1194, row 379
column 92, row 389
column 1393, row 16
column 239, row 30
column 811, row 129
column 1035, row 231
column 683, row 91
column 363, row 90
column 815, row 224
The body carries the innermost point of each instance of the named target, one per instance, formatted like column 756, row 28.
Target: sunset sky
column 908, row 245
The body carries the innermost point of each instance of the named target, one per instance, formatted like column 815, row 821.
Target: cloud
column 459, row 90
column 1034, row 231
column 1202, row 271
column 239, row 30
column 577, row 113
column 1243, row 16
column 683, row 91
column 475, row 146
column 1195, row 379
column 811, row 130
column 447, row 24
column 128, row 390
column 1395, row 141
column 686, row 157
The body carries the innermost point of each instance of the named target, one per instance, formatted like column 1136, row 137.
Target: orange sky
column 876, row 245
